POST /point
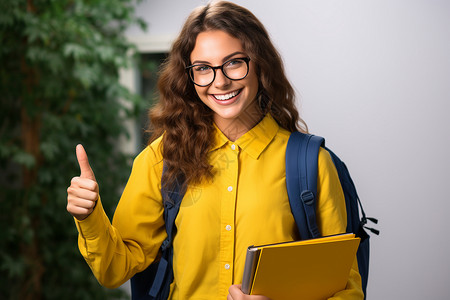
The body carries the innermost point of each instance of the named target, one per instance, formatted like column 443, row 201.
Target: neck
column 233, row 129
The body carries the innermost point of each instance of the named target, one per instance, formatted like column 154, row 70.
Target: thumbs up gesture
column 82, row 194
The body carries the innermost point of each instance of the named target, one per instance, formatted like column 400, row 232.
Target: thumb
column 85, row 168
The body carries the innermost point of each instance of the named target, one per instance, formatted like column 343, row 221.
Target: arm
column 332, row 218
column 116, row 252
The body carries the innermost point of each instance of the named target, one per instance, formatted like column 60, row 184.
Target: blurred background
column 373, row 77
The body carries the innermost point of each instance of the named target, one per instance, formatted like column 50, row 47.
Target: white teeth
column 226, row 96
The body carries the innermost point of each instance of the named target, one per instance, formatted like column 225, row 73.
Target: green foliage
column 59, row 63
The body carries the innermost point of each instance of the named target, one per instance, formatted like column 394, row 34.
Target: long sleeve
column 332, row 218
column 115, row 252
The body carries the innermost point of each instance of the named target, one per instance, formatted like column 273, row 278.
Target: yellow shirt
column 246, row 203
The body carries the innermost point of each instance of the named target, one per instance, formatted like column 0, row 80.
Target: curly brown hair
column 185, row 122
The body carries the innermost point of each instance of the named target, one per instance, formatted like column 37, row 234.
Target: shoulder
column 325, row 163
column 325, row 157
column 328, row 176
column 283, row 133
column 151, row 155
column 281, row 138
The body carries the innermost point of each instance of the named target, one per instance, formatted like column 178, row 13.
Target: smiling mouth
column 228, row 96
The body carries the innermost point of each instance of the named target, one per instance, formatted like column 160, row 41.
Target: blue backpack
column 301, row 181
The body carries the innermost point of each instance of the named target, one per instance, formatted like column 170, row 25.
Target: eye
column 234, row 63
column 202, row 68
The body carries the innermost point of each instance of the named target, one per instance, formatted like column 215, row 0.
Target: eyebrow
column 224, row 59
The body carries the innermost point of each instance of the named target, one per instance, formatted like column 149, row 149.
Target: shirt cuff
column 95, row 224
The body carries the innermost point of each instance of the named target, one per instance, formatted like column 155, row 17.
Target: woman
column 225, row 114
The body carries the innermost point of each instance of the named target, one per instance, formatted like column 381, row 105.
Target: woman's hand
column 82, row 194
column 235, row 293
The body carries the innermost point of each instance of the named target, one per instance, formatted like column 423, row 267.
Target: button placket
column 227, row 245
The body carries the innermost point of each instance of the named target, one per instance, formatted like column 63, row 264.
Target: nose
column 221, row 80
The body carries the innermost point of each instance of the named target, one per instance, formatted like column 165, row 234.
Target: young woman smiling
column 223, row 120
column 233, row 102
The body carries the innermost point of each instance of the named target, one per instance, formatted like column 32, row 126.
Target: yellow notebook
column 308, row 270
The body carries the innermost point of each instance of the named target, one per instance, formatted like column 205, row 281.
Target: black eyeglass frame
column 189, row 68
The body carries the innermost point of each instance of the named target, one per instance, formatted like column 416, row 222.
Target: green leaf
column 13, row 267
column 25, row 159
column 74, row 50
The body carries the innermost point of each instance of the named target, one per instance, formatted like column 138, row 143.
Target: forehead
column 213, row 46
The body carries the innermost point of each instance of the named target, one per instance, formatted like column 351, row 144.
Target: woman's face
column 233, row 101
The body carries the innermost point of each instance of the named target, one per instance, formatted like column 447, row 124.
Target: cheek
column 198, row 90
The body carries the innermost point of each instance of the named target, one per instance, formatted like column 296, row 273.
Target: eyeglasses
column 204, row 75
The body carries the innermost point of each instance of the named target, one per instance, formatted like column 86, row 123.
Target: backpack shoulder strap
column 301, row 181
column 172, row 196
column 154, row 282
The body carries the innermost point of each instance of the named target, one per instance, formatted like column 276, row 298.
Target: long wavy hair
column 185, row 122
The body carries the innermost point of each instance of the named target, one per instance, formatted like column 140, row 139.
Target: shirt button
column 233, row 147
column 228, row 227
column 230, row 188
column 227, row 266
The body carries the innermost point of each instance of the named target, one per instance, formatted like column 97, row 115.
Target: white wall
column 373, row 77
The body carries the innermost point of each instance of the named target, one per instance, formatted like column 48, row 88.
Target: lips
column 225, row 97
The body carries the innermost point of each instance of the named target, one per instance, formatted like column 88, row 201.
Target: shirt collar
column 253, row 141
